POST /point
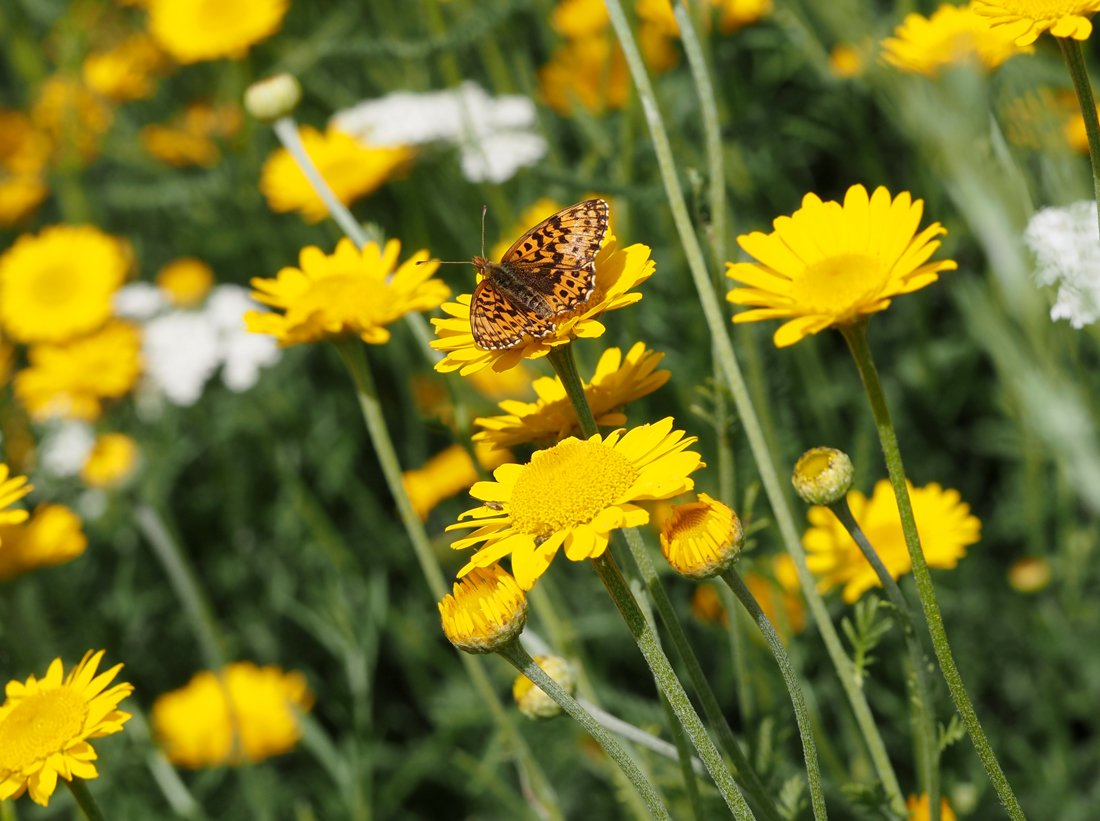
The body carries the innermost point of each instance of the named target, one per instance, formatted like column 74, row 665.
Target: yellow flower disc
column 186, row 280
column 196, row 30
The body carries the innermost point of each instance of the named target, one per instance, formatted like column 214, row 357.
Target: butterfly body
column 548, row 272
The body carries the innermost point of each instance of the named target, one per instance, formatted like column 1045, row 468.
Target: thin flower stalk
column 856, row 337
column 83, row 797
column 794, row 689
column 924, row 717
column 750, row 421
column 1075, row 61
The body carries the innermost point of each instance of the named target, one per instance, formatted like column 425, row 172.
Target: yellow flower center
column 690, row 522
column 568, row 485
column 41, row 725
column 54, row 285
column 835, row 285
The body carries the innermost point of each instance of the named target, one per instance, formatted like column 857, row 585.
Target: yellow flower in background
column 573, row 495
column 485, row 611
column 193, row 31
column 348, row 292
column 351, row 169
column 779, row 595
column 126, row 72
column 580, row 18
column 12, row 489
column 197, row 727
column 186, row 280
column 1074, row 130
column 448, row 473
column 189, row 139
column 532, row 701
column 701, row 538
column 73, row 379
column 45, row 726
column 590, row 71
column 919, row 809
column 1030, row 574
column 706, row 605
column 497, row 385
column 953, row 35
column 111, row 461
column 19, row 196
column 54, row 535
column 1025, row 20
column 830, row 264
column 944, row 522
column 24, row 153
column 618, row 270
column 734, row 14
column 846, row 61
column 58, row 284
column 71, row 115
column 551, row 417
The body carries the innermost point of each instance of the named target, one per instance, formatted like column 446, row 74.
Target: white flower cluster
column 1066, row 244
column 495, row 136
column 182, row 349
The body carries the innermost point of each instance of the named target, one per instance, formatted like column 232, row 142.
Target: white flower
column 181, row 351
column 139, row 301
column 1066, row 245
column 496, row 136
column 65, row 448
column 243, row 353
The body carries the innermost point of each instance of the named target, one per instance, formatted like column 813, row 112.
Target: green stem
column 750, row 421
column 856, row 337
column 565, row 366
column 1075, row 62
column 923, row 706
column 84, row 800
column 522, row 661
column 669, row 685
column 351, row 351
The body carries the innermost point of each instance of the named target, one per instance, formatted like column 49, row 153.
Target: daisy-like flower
column 72, row 379
column 846, row 61
column 198, row 728
column 111, row 461
column 448, row 473
column 58, row 284
column 953, row 35
column 1067, row 255
column 486, row 610
column 54, row 535
column 701, row 539
column 127, row 71
column 24, row 152
column 349, row 292
column 617, row 271
column 1025, row 20
column 45, row 726
column 919, row 809
column 590, row 71
column 551, row 417
column 12, row 489
column 830, row 264
column 72, row 115
column 573, row 495
column 735, row 14
column 192, row 32
column 186, row 281
column 352, row 169
column 944, row 522
column 189, row 139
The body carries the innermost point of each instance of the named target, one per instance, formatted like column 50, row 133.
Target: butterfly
column 548, row 272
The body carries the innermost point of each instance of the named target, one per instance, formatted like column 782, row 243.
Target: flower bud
column 531, row 700
column 701, row 539
column 486, row 611
column 272, row 98
column 822, row 475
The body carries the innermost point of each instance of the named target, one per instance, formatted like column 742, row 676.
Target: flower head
column 846, row 61
column 45, row 726
column 573, row 495
column 1025, row 20
column 702, row 538
column 349, row 292
column 12, row 489
column 617, row 271
column 951, row 36
column 211, row 29
column 24, row 152
column 351, row 169
column 830, row 264
column 822, row 475
column 72, row 379
column 58, row 285
column 531, row 700
column 246, row 714
column 486, row 611
column 186, row 281
column 448, row 473
column 1067, row 254
column 273, row 97
column 71, row 115
column 944, row 522
column 190, row 138
column 111, row 461
column 590, row 71
column 1030, row 574
column 919, row 810
column 127, row 71
column 551, row 417
column 54, row 535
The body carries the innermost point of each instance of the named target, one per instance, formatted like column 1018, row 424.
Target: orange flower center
column 41, row 725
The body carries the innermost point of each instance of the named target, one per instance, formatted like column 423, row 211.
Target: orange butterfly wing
column 497, row 324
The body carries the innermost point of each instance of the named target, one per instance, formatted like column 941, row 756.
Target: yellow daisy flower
column 127, row 71
column 45, row 726
column 486, row 610
column 350, row 291
column 1025, row 20
column 551, row 417
column 189, row 139
column 24, row 153
column 573, row 495
column 498, row 385
column 12, row 489
column 448, row 473
column 830, row 264
column 186, row 280
column 579, row 18
column 702, row 538
column 846, row 61
column 944, row 522
column 54, row 535
column 58, row 285
column 198, row 728
column 19, row 196
column 919, row 809
column 953, row 35
column 71, row 115
column 192, row 32
column 617, row 271
column 72, row 379
column 111, row 461
column 590, row 71
column 735, row 14
column 351, row 169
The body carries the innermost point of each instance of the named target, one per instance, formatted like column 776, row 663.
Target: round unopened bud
column 1030, row 574
column 486, row 611
column 701, row 539
column 822, row 475
column 531, row 700
column 272, row 98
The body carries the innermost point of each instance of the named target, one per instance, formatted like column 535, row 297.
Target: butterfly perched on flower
column 548, row 273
